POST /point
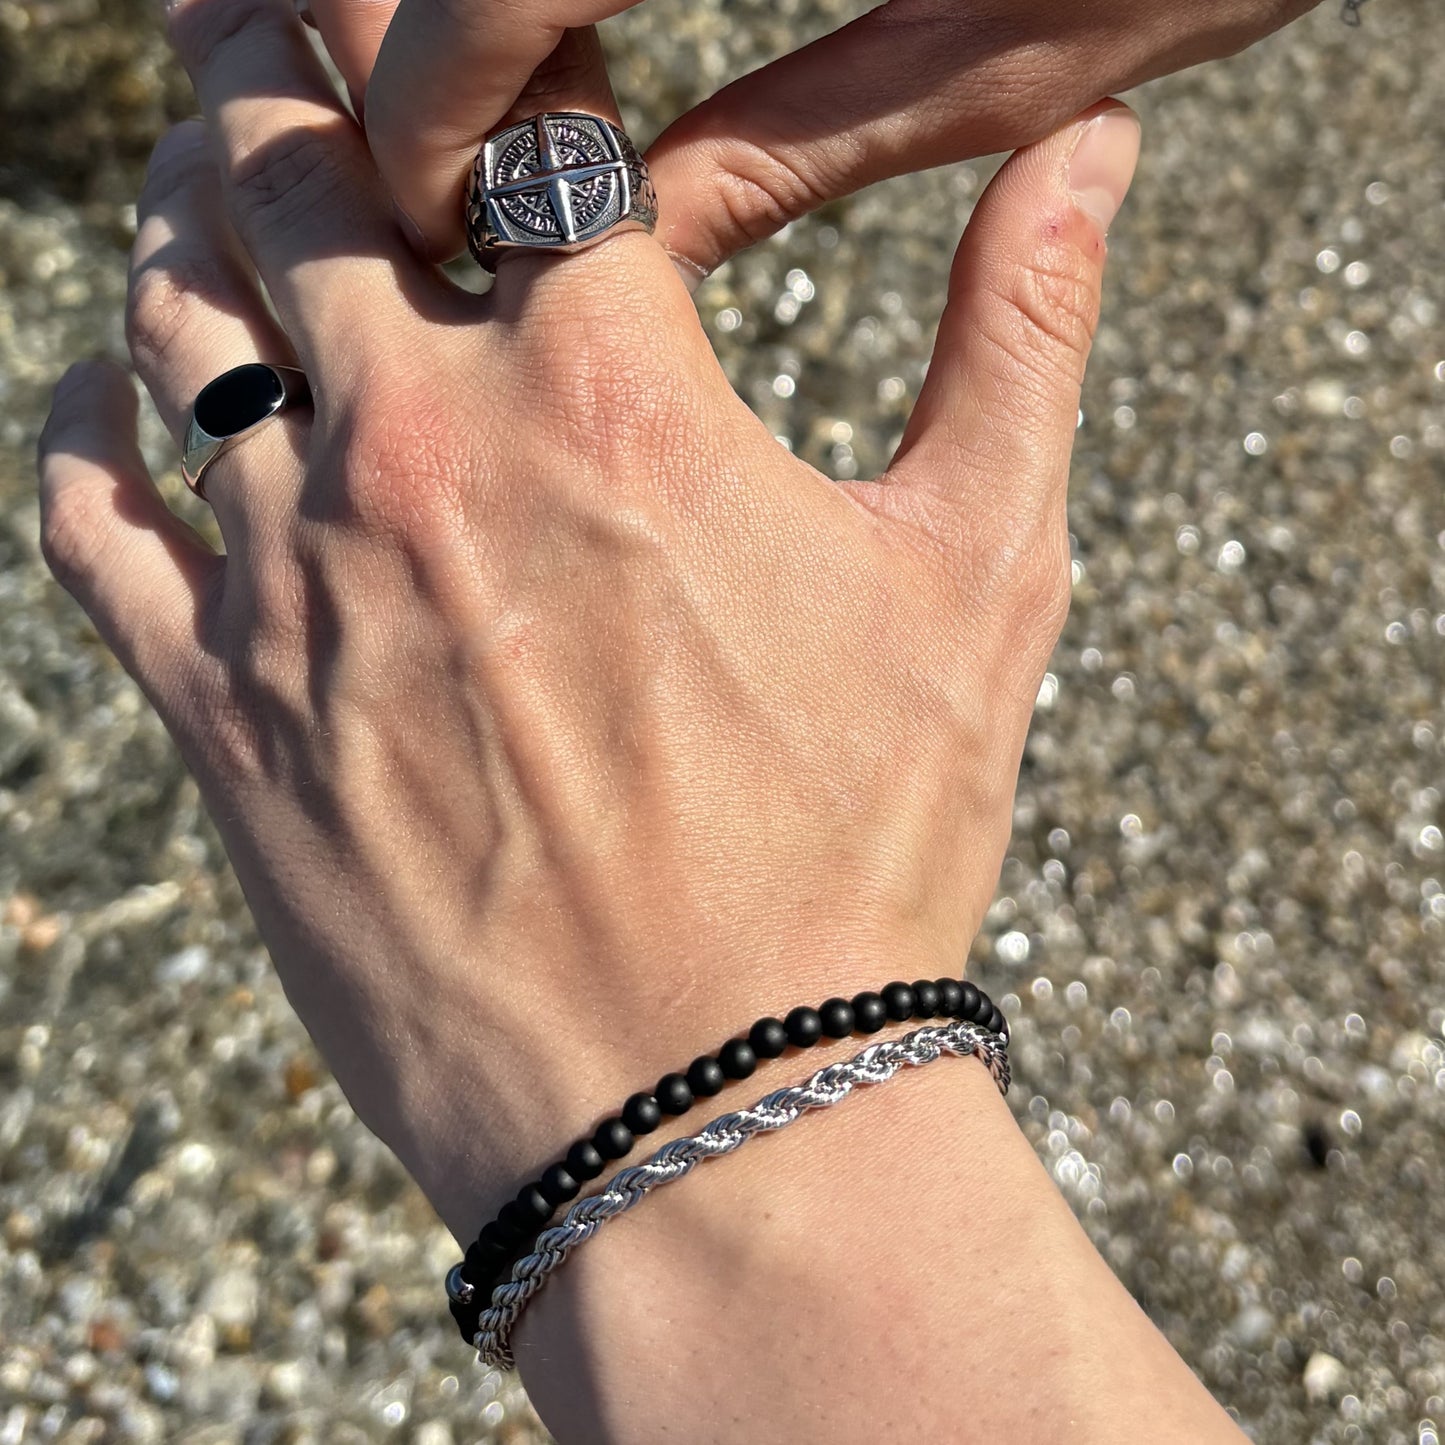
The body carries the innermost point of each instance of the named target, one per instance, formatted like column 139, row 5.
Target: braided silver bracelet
column 874, row 1065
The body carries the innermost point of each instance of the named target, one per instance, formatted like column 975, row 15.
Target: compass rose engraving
column 557, row 179
column 558, row 182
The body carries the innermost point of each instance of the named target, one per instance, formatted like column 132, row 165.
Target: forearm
column 898, row 1267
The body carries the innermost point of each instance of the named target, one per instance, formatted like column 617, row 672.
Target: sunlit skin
column 911, row 84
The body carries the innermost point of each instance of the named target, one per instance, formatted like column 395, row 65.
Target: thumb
column 994, row 426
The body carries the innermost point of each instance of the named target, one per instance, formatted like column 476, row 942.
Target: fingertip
column 91, row 428
column 89, row 388
column 1102, row 161
column 75, row 377
column 105, row 532
column 1023, row 307
column 98, row 373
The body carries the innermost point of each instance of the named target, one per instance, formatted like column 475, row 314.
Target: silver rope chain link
column 874, row 1065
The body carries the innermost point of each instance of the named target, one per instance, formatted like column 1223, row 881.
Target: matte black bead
column 737, row 1059
column 898, row 1000
column 837, row 1017
column 705, row 1077
column 583, row 1161
column 969, row 1005
column 768, row 1037
column 870, row 1013
column 558, row 1184
column 507, row 1234
column 674, row 1094
column 926, row 999
column 642, row 1113
column 534, row 1206
column 613, row 1139
column 950, row 997
column 482, row 1263
column 495, row 1235
column 510, row 1214
column 996, row 1020
column 804, row 1027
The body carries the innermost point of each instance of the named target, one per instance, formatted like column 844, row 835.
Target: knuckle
column 1044, row 314
column 760, row 191
column 163, row 302
column 1029, row 585
column 613, row 395
column 620, row 405
column 285, row 175
column 406, row 466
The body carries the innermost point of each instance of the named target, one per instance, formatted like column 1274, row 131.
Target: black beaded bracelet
column 520, row 1220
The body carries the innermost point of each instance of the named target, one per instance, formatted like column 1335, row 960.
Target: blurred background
column 1221, row 927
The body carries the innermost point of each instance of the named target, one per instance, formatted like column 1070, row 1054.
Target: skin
column 911, row 84
column 558, row 723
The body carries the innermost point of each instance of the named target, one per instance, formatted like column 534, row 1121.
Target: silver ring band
column 557, row 182
column 235, row 404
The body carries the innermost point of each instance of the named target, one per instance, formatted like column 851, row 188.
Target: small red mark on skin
column 1060, row 227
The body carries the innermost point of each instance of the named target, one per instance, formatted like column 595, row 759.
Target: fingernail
column 693, row 274
column 1103, row 163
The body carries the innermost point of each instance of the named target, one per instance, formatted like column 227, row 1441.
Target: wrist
column 481, row 1120
column 909, row 1234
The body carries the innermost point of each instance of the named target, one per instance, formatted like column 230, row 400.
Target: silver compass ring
column 557, row 182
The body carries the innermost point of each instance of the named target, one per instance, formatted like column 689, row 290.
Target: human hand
column 910, row 85
column 555, row 718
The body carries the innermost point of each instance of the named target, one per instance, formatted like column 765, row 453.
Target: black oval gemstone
column 238, row 400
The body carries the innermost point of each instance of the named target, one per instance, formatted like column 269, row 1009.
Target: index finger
column 447, row 73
